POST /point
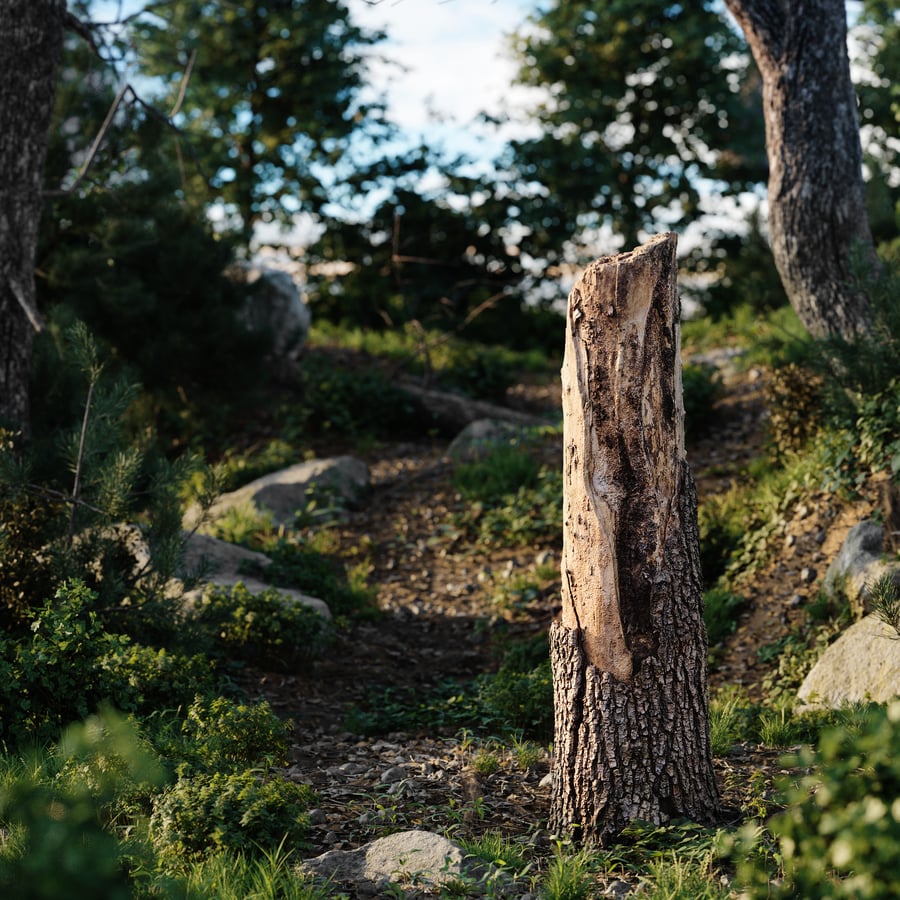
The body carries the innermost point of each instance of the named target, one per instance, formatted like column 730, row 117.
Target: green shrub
column 503, row 472
column 720, row 609
column 840, row 836
column 57, row 674
column 204, row 814
column 266, row 628
column 149, row 679
column 520, row 701
column 531, row 513
column 222, row 735
column 318, row 574
column 64, row 844
column 702, row 387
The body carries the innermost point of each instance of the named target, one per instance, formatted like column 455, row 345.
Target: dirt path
column 440, row 619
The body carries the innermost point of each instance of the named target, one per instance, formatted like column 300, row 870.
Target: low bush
column 840, row 835
column 204, row 814
column 266, row 628
column 222, row 735
column 61, row 813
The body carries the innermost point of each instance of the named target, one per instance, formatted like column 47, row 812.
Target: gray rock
column 274, row 307
column 862, row 664
column 408, row 856
column 859, row 563
column 479, row 438
column 340, row 481
column 224, row 565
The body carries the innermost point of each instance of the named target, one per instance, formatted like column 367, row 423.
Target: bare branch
column 95, row 146
column 185, row 78
column 27, row 305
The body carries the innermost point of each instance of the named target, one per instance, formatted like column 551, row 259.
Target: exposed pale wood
column 629, row 649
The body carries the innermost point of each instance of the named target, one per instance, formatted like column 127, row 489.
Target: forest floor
column 440, row 619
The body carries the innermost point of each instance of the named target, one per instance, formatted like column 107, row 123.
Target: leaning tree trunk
column 817, row 200
column 30, row 49
column 629, row 649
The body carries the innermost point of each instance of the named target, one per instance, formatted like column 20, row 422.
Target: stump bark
column 629, row 649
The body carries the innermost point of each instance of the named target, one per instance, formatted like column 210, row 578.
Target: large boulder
column 407, row 857
column 338, row 482
column 863, row 664
column 274, row 307
column 859, row 564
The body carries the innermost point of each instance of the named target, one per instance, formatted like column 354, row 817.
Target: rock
column 481, row 437
column 224, row 565
column 275, row 308
column 420, row 856
column 858, row 564
column 807, row 575
column 340, row 481
column 862, row 664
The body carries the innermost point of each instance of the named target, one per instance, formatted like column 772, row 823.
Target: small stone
column 545, row 558
column 330, row 838
column 790, row 540
column 546, row 781
column 795, row 601
column 807, row 575
column 316, row 817
column 820, row 536
column 617, row 888
column 392, row 775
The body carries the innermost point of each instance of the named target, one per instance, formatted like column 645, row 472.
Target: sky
column 455, row 65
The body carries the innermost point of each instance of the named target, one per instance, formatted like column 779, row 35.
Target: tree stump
column 629, row 649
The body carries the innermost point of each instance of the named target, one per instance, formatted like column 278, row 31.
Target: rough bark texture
column 30, row 48
column 629, row 649
column 817, row 203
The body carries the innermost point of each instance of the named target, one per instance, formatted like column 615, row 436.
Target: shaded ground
column 440, row 619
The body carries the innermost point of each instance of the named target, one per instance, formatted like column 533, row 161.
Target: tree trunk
column 817, row 202
column 31, row 33
column 629, row 649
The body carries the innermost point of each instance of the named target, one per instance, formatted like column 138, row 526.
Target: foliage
column 793, row 400
column 730, row 720
column 702, row 386
column 568, row 876
column 720, row 608
column 640, row 102
column 81, row 481
column 127, row 248
column 266, row 628
column 69, row 665
column 522, row 516
column 310, row 566
column 862, row 389
column 521, row 701
column 437, row 264
column 356, row 401
column 840, row 834
column 217, row 734
column 266, row 120
column 62, row 847
column 269, row 875
column 885, row 598
column 504, row 471
column 203, row 814
column 744, row 270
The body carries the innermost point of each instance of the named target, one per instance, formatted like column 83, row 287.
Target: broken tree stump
column 629, row 648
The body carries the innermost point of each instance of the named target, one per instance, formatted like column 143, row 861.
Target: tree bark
column 817, row 202
column 629, row 649
column 31, row 33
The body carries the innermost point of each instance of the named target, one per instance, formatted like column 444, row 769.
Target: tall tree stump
column 629, row 649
